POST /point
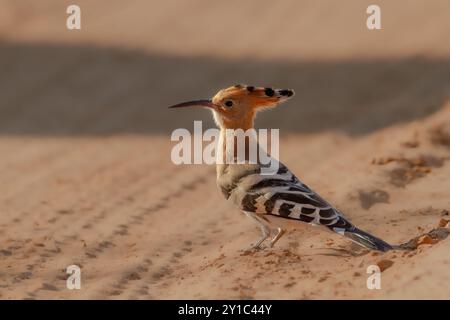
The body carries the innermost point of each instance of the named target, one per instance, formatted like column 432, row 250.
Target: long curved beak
column 199, row 103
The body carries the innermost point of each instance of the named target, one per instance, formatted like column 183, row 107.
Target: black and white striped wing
column 285, row 196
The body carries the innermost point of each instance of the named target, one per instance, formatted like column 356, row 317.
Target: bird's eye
column 229, row 103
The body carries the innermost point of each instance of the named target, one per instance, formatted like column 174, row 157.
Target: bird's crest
column 252, row 96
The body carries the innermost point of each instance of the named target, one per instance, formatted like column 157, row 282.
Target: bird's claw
column 254, row 248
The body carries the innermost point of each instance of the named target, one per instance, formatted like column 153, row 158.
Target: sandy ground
column 85, row 170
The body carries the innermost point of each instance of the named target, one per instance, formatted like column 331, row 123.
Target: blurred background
column 85, row 170
column 131, row 60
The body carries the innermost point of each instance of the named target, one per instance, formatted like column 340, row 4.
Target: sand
column 85, row 169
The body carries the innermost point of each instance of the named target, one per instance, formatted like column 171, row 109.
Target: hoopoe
column 281, row 194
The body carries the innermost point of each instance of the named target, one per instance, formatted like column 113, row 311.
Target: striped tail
column 367, row 240
column 348, row 230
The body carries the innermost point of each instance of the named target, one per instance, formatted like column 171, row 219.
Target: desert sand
column 85, row 170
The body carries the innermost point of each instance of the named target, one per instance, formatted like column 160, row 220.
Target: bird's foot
column 253, row 248
column 257, row 246
column 280, row 233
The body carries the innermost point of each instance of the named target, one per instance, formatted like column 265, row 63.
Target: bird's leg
column 265, row 230
column 280, row 233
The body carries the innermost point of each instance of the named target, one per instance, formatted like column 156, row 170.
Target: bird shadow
column 340, row 252
column 60, row 90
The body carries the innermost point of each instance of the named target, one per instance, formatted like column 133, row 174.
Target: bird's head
column 235, row 107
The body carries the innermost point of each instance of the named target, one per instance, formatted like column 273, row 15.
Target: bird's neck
column 237, row 144
column 244, row 122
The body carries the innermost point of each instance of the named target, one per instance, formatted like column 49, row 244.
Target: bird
column 281, row 194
